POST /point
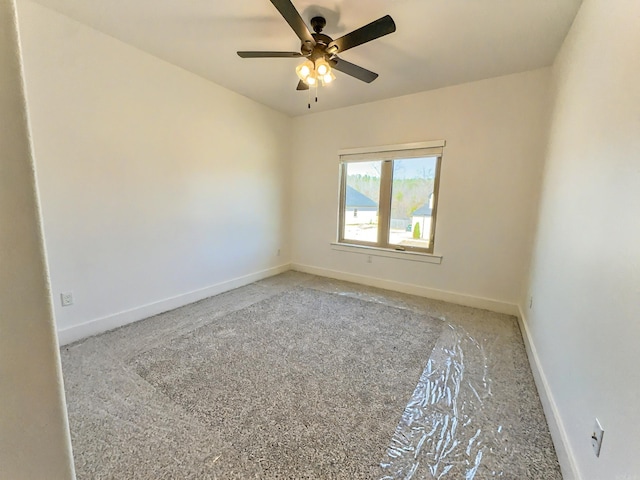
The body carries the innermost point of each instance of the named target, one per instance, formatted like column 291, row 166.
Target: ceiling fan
column 321, row 51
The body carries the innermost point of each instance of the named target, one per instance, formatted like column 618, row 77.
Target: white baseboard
column 556, row 427
column 457, row 298
column 104, row 324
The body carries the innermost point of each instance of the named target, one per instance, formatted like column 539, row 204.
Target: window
column 389, row 196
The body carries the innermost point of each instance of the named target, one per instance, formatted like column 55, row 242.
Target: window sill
column 385, row 252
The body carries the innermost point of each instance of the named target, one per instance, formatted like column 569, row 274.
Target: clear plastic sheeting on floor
column 443, row 432
column 369, row 297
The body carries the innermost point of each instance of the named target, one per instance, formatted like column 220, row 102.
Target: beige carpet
column 302, row 377
column 304, row 384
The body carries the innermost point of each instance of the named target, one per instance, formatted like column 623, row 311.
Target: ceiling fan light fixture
column 311, row 72
column 322, row 67
column 304, row 70
column 311, row 79
column 328, row 78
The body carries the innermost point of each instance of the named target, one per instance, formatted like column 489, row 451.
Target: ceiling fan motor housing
column 320, row 50
column 322, row 40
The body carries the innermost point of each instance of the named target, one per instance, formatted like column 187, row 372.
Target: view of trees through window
column 362, row 201
column 411, row 208
column 411, row 201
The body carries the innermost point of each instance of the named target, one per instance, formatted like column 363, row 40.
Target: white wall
column 34, row 435
column 585, row 276
column 158, row 187
column 496, row 135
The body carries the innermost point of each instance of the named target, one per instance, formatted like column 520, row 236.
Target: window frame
column 386, row 154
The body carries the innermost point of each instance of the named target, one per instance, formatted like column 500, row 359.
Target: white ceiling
column 437, row 42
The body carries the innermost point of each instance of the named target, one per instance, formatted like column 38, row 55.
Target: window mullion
column 434, row 207
column 343, row 186
column 384, row 206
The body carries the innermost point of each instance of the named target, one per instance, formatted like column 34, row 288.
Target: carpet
column 304, row 384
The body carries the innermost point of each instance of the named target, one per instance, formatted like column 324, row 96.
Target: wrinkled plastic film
column 369, row 297
column 444, row 432
column 366, row 294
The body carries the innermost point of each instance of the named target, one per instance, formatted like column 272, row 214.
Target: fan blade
column 379, row 28
column 354, row 70
column 302, row 86
column 269, row 54
column 293, row 18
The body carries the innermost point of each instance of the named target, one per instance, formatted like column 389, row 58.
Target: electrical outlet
column 596, row 438
column 369, row 259
column 66, row 299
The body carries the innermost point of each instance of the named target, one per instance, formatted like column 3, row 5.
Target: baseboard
column 104, row 324
column 453, row 297
column 556, row 427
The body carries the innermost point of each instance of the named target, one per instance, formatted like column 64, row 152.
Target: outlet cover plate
column 66, row 299
column 596, row 438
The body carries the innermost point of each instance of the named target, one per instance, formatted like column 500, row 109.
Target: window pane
column 362, row 198
column 412, row 201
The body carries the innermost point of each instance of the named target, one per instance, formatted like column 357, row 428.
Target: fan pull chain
column 309, row 93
